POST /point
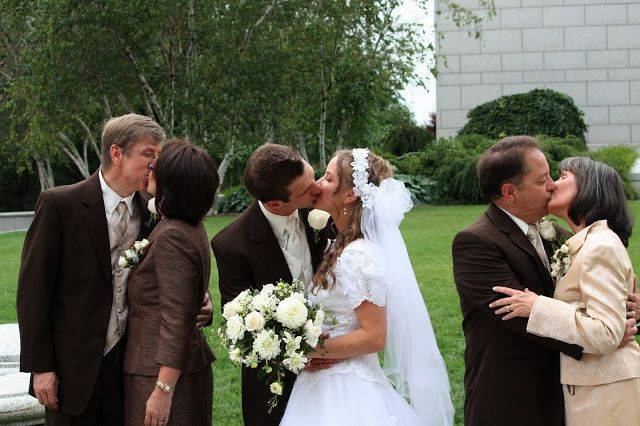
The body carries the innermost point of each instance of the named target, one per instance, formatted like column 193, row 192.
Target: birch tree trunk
column 302, row 147
column 224, row 166
column 322, row 127
column 45, row 174
column 72, row 152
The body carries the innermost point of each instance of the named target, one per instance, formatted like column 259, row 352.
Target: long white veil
column 412, row 360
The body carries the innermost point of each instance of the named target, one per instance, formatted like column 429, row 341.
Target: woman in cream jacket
column 589, row 303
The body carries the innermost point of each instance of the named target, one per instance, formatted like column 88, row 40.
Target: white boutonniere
column 318, row 221
column 134, row 254
column 153, row 217
column 560, row 261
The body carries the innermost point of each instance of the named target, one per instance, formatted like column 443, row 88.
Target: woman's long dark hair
column 600, row 196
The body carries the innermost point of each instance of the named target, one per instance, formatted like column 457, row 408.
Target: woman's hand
column 518, row 304
column 158, row 408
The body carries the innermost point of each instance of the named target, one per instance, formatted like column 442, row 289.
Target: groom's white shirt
column 524, row 226
column 298, row 256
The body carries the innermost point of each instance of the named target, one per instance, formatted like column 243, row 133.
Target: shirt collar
column 278, row 223
column 524, row 226
column 112, row 199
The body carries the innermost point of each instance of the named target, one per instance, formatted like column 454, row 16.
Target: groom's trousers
column 105, row 406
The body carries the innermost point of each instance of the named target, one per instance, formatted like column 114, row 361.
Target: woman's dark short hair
column 186, row 181
column 600, row 196
column 270, row 170
column 504, row 162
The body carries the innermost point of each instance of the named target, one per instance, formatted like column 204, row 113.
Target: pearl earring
column 345, row 211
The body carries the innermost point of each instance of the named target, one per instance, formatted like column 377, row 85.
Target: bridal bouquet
column 272, row 329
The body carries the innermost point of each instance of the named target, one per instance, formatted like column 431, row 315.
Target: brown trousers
column 105, row 406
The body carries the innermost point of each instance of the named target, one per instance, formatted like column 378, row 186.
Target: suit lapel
column 317, row 243
column 268, row 249
column 96, row 221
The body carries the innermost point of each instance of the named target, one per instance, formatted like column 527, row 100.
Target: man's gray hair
column 125, row 131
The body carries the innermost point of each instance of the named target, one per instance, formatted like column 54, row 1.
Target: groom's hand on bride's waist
column 317, row 364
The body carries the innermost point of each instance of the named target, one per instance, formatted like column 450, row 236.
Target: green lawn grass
column 428, row 232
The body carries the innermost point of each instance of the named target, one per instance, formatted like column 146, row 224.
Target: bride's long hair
column 379, row 169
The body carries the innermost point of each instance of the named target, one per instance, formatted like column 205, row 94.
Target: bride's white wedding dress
column 355, row 391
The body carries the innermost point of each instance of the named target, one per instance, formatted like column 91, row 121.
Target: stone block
column 607, row 14
column 495, row 41
column 448, row 97
column 623, row 36
column 625, row 74
column 453, row 118
column 596, row 115
column 634, row 13
column 609, row 134
column 488, row 22
column 585, row 38
column 635, row 92
column 528, row 17
column 542, row 39
column 608, row 59
column 503, row 4
column 446, row 133
column 459, row 79
column 502, row 77
column 587, row 75
column 458, row 42
column 448, row 64
column 608, row 93
column 564, row 60
column 563, row 16
column 480, row 63
column 625, row 114
column 583, row 2
column 634, row 58
column 544, row 76
column 475, row 95
column 512, row 89
column 635, row 133
column 522, row 61
column 577, row 91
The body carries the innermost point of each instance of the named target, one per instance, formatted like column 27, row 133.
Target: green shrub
column 622, row 159
column 409, row 164
column 421, row 188
column 405, row 138
column 557, row 149
column 538, row 112
column 236, row 200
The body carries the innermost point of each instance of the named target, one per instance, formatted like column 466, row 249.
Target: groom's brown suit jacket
column 248, row 256
column 65, row 289
column 512, row 377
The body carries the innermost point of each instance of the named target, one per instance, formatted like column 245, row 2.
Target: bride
column 367, row 282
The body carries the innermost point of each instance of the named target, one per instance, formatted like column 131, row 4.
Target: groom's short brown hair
column 270, row 170
column 504, row 162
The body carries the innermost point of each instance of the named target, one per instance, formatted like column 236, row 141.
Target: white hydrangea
column 295, row 362
column 292, row 312
column 254, row 321
column 312, row 333
column 267, row 344
column 235, row 328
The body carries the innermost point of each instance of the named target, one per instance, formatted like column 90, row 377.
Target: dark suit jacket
column 65, row 289
column 165, row 294
column 248, row 256
column 511, row 377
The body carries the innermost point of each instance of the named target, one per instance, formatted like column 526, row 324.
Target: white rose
column 299, row 296
column 566, row 261
column 151, row 206
column 235, row 355
column 230, row 309
column 122, row 261
column 276, row 388
column 267, row 289
column 295, row 362
column 312, row 333
column 144, row 243
column 564, row 249
column 319, row 319
column 254, row 321
column 318, row 219
column 243, row 299
column 267, row 345
column 235, row 328
column 130, row 253
column 291, row 312
column 264, row 302
column 137, row 245
column 291, row 343
column 547, row 231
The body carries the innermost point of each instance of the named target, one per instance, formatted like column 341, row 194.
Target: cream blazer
column 589, row 309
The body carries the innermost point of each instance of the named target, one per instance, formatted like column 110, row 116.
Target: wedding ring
column 509, row 308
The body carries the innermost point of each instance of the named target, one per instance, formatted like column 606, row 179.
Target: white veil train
column 412, row 361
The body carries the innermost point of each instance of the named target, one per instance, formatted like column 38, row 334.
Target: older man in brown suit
column 72, row 307
column 270, row 241
column 512, row 377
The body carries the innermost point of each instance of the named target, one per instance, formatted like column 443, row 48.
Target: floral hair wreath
column 362, row 188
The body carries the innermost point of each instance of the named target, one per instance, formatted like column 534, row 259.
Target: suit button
column 119, row 310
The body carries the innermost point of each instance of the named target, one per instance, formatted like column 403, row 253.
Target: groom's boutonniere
column 318, row 221
column 134, row 254
column 153, row 217
column 561, row 258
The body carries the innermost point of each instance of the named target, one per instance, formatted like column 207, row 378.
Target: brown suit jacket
column 511, row 376
column 248, row 256
column 165, row 294
column 65, row 289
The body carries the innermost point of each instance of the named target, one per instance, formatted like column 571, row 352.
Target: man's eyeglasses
column 148, row 155
column 152, row 165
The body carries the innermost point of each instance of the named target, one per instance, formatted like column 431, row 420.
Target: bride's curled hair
column 379, row 170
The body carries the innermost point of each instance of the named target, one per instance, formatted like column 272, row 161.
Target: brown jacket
column 248, row 256
column 510, row 374
column 65, row 290
column 165, row 294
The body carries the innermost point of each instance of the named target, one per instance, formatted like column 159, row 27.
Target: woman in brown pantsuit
column 167, row 365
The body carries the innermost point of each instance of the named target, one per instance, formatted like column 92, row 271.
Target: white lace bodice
column 360, row 276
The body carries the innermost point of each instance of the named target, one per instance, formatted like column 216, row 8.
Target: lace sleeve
column 363, row 277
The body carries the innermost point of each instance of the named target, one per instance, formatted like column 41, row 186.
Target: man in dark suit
column 71, row 298
column 511, row 377
column 270, row 241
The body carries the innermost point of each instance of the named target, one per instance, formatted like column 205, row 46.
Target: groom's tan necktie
column 534, row 236
column 121, row 220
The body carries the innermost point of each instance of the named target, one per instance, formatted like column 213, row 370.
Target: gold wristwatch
column 165, row 387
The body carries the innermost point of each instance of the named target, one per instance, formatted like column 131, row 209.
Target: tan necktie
column 121, row 220
column 534, row 236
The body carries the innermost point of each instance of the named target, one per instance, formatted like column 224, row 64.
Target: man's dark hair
column 186, row 181
column 600, row 196
column 270, row 170
column 504, row 163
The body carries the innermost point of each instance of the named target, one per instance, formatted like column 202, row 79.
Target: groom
column 511, row 377
column 270, row 241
